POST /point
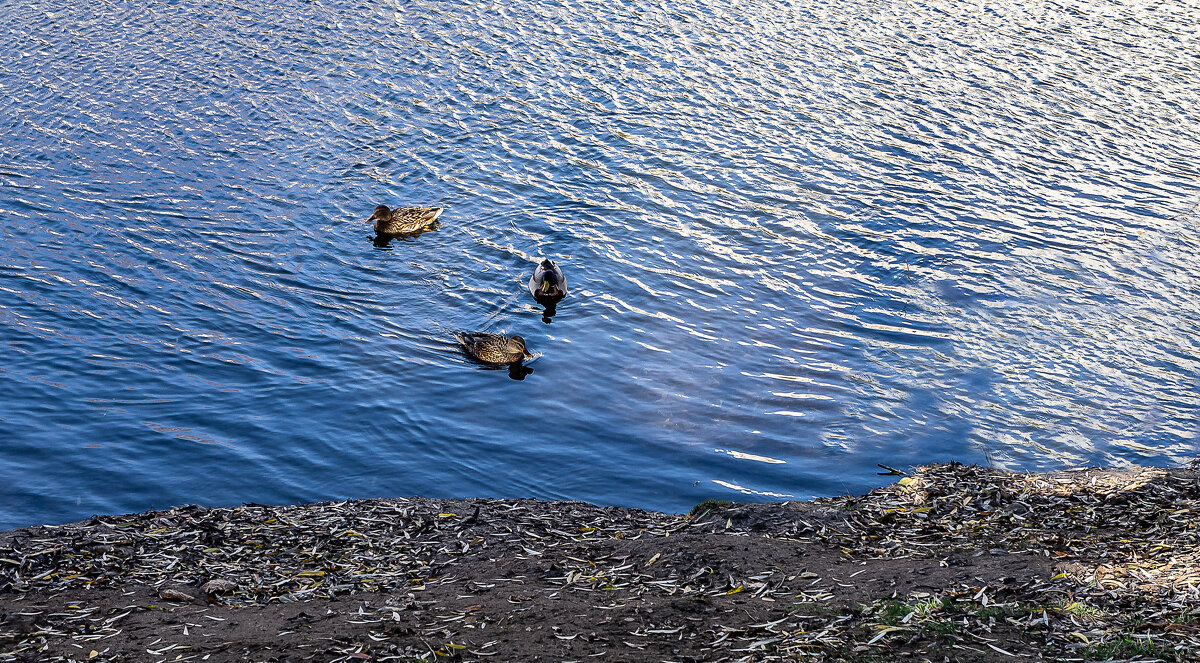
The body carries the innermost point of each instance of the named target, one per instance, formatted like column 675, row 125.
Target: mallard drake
column 548, row 284
column 404, row 220
column 493, row 348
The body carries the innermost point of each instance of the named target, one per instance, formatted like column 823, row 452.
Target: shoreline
column 952, row 561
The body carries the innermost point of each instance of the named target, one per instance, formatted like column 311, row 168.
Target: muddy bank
column 956, row 562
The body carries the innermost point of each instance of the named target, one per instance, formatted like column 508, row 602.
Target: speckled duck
column 404, row 220
column 493, row 348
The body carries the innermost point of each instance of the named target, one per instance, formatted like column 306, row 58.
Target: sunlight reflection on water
column 802, row 239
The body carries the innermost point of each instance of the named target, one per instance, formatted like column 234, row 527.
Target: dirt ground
column 953, row 562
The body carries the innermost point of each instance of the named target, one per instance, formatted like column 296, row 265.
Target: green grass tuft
column 1126, row 647
column 707, row 505
column 1078, row 609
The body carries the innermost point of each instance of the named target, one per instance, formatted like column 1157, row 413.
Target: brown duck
column 493, row 348
column 404, row 220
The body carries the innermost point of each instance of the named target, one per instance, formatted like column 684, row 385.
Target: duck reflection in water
column 384, row 241
column 516, row 371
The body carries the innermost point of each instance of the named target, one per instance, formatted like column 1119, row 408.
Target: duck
column 548, row 284
column 404, row 220
column 493, row 348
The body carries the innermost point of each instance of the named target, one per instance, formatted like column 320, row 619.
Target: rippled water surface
column 802, row 238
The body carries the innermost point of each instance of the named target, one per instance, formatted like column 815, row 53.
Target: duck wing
column 488, row 348
column 535, row 281
column 426, row 214
column 469, row 340
column 410, row 219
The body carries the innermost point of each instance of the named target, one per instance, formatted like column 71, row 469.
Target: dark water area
column 802, row 238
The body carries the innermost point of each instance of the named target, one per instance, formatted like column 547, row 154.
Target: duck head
column 549, row 282
column 517, row 344
column 382, row 213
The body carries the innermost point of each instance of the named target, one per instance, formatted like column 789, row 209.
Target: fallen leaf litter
column 953, row 561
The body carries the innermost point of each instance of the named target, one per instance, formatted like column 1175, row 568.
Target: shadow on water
column 516, row 371
column 383, row 240
column 547, row 314
column 519, row 371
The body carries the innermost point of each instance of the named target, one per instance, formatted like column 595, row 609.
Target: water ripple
column 802, row 238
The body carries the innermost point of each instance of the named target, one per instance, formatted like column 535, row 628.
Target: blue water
column 802, row 238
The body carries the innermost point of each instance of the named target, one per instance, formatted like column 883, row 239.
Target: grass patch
column 710, row 504
column 1015, row 609
column 1126, row 647
column 1078, row 609
column 931, row 606
column 1186, row 618
column 992, row 612
column 924, row 619
column 892, row 612
column 945, row 616
column 939, row 627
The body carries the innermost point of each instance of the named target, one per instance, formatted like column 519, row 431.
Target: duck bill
column 547, row 288
column 527, row 355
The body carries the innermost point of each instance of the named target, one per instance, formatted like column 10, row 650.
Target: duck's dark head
column 517, row 344
column 549, row 281
column 382, row 213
